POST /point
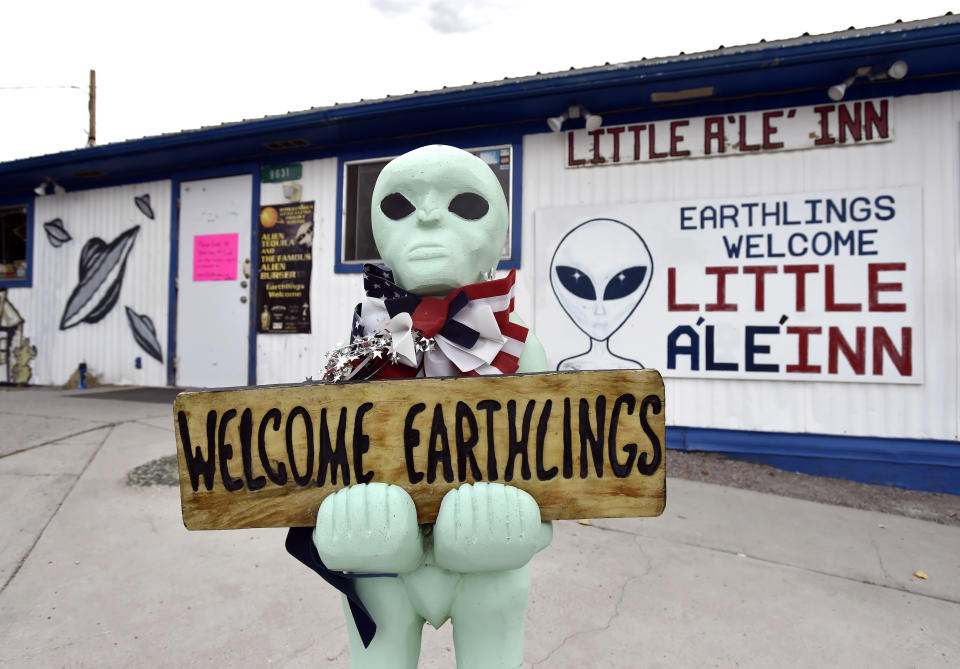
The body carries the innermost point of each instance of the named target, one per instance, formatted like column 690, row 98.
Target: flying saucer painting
column 143, row 204
column 56, row 235
column 144, row 333
column 101, row 276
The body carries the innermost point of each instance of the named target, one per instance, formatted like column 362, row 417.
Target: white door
column 213, row 268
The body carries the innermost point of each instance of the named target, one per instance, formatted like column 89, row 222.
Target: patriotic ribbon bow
column 470, row 328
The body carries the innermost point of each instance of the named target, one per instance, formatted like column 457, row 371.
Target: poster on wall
column 821, row 286
column 284, row 266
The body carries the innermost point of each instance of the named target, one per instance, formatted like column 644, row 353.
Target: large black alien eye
column 624, row 283
column 395, row 206
column 469, row 206
column 576, row 282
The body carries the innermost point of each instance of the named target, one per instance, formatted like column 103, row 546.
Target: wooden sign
column 583, row 444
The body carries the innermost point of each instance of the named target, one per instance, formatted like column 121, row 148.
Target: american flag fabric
column 471, row 326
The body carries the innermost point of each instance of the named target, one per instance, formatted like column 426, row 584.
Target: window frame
column 342, row 266
column 27, row 280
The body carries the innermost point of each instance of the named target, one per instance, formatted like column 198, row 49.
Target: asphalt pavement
column 97, row 570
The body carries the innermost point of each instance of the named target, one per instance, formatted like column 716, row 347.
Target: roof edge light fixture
column 591, row 121
column 44, row 188
column 897, row 70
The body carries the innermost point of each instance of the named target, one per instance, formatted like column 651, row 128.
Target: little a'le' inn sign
column 786, row 129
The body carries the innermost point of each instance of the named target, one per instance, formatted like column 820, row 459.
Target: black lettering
column 642, row 465
column 196, row 463
column 518, row 446
column 246, row 439
column 225, row 452
column 621, row 470
column 567, row 441
column 587, row 435
column 333, row 459
column 361, row 444
column 490, row 406
column 411, row 439
column 308, row 428
column 279, row 477
column 465, row 446
column 544, row 474
column 435, row 456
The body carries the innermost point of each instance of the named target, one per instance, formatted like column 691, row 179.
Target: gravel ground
column 714, row 468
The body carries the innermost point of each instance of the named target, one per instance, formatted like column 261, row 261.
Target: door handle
column 246, row 268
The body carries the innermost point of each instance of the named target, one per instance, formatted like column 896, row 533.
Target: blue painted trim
column 26, row 282
column 252, row 281
column 918, row 464
column 172, row 281
column 461, row 140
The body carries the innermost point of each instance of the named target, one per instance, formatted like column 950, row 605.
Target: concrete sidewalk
column 98, row 573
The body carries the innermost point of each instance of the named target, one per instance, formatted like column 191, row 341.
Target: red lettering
column 721, row 272
column 824, row 137
column 769, row 131
column 636, row 130
column 571, row 162
column 803, row 365
column 597, row 158
column 828, row 296
column 672, row 294
column 616, row 142
column 873, row 119
column 902, row 359
column 837, row 344
column 849, row 123
column 743, row 136
column 759, row 272
column 874, row 287
column 676, row 138
column 652, row 137
column 713, row 130
column 801, row 271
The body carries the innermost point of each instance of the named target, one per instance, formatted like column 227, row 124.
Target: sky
column 166, row 67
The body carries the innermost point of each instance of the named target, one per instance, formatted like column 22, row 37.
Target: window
column 359, row 177
column 13, row 245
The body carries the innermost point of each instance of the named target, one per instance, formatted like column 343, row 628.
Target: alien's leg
column 397, row 641
column 488, row 619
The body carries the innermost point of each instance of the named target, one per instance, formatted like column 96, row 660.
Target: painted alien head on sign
column 439, row 219
column 599, row 273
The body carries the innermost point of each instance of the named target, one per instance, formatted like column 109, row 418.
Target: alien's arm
column 533, row 358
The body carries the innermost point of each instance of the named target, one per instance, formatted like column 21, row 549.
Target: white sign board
column 821, row 286
column 787, row 129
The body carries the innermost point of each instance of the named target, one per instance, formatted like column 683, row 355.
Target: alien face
column 599, row 273
column 439, row 219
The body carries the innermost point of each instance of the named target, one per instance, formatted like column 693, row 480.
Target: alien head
column 439, row 219
column 599, row 273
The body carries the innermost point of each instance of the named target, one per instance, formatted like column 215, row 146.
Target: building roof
column 766, row 74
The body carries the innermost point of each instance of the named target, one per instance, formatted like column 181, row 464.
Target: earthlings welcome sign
column 583, row 444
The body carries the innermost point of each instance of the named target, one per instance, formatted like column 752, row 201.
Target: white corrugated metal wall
column 107, row 346
column 290, row 358
column 924, row 152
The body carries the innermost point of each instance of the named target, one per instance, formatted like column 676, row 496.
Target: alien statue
column 440, row 220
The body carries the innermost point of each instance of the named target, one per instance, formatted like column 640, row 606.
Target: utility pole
column 92, row 107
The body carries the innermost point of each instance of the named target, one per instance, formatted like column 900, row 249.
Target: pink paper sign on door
column 215, row 257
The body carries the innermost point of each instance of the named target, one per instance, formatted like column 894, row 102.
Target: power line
column 22, row 88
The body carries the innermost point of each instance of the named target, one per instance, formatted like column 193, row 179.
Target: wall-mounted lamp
column 898, row 70
column 44, row 187
column 591, row 121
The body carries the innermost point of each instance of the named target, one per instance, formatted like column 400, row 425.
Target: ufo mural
column 144, row 333
column 101, row 272
column 143, row 204
column 56, row 234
